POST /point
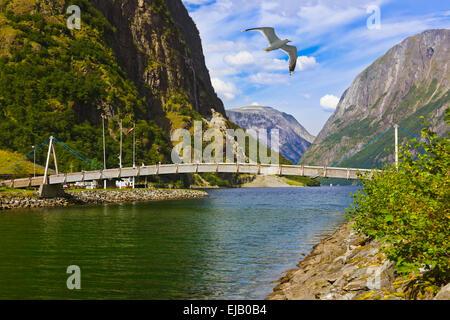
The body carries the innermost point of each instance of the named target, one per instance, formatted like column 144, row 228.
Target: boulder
column 444, row 293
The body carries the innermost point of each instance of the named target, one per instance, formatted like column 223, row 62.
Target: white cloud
column 278, row 14
column 223, row 46
column 255, row 103
column 269, row 78
column 305, row 63
column 256, row 62
column 218, row 68
column 197, row 2
column 222, row 3
column 274, row 64
column 224, row 89
column 241, row 58
column 269, row 5
column 224, row 72
column 334, row 32
column 227, row 4
column 253, row 62
column 329, row 102
column 269, row 18
column 321, row 17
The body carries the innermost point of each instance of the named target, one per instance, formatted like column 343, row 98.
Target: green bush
column 408, row 208
column 307, row 181
column 214, row 180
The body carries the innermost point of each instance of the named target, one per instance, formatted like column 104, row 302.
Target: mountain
column 135, row 61
column 409, row 82
column 294, row 139
column 159, row 47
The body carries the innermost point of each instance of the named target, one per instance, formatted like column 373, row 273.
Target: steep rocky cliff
column 411, row 80
column 294, row 139
column 135, row 61
column 205, row 92
column 159, row 47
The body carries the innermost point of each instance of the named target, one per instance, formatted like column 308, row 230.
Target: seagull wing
column 268, row 32
column 292, row 52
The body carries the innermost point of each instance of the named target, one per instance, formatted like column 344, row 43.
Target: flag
column 131, row 130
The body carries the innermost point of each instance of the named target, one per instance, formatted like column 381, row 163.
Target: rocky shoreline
column 346, row 266
column 98, row 197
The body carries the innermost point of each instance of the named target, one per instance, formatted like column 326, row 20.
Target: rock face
column 346, row 266
column 27, row 202
column 444, row 293
column 411, row 80
column 294, row 139
column 100, row 196
column 220, row 123
column 159, row 47
column 206, row 95
column 336, row 269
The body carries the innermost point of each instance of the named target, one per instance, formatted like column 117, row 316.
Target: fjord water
column 231, row 245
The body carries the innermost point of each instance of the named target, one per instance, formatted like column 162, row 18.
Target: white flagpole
column 134, row 151
column 104, row 149
column 120, row 156
column 134, row 145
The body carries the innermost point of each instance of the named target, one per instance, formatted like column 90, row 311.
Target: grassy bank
column 302, row 181
column 11, row 192
column 10, row 163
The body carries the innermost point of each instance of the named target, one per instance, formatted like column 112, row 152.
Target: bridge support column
column 51, row 191
column 47, row 190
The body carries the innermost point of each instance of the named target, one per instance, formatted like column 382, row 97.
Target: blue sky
column 333, row 41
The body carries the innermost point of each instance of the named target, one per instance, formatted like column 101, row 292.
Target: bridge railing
column 158, row 169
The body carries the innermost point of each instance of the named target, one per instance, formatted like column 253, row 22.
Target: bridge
column 56, row 179
column 160, row 169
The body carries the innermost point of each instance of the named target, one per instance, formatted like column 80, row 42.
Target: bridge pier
column 51, row 191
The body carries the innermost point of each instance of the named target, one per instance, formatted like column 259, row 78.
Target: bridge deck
column 296, row 170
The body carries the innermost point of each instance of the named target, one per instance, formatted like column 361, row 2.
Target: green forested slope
column 54, row 81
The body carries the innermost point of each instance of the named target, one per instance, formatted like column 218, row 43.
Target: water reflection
column 231, row 245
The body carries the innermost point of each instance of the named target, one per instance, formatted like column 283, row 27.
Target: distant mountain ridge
column 411, row 80
column 294, row 138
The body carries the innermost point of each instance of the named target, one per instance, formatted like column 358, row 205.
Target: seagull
column 277, row 43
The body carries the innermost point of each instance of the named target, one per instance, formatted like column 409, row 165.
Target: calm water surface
column 232, row 245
